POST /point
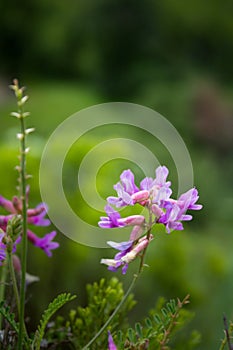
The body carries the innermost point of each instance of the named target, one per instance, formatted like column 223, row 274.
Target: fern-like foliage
column 56, row 304
column 157, row 330
column 11, row 328
column 83, row 323
column 9, row 316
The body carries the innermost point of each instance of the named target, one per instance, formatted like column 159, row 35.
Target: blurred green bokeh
column 175, row 57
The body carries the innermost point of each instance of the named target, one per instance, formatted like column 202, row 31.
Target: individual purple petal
column 127, row 179
column 112, row 214
column 123, row 198
column 161, row 194
column 174, row 225
column 161, row 177
column 120, row 246
column 4, row 220
column 171, row 217
column 46, row 243
column 186, row 217
column 36, row 216
column 124, row 190
column 146, row 183
column 124, row 269
column 112, row 220
column 136, row 232
column 111, row 344
column 188, row 199
column 118, row 202
column 2, row 249
column 6, row 204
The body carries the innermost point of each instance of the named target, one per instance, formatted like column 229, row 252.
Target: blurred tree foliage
column 117, row 44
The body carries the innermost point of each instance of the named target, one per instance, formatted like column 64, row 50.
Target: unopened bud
column 23, row 99
column 18, row 168
column 140, row 246
column 156, row 210
column 17, row 204
column 29, row 130
column 15, row 114
column 140, row 196
column 133, row 220
column 14, row 227
column 20, row 136
column 136, row 232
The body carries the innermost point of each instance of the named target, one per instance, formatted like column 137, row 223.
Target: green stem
column 148, row 236
column 15, row 289
column 14, row 282
column 223, row 343
column 113, row 314
column 24, row 226
column 2, row 286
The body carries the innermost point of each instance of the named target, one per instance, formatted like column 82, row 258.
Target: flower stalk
column 21, row 100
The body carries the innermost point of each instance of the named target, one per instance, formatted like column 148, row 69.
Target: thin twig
column 226, row 329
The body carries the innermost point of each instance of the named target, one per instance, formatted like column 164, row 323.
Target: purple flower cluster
column 35, row 216
column 153, row 194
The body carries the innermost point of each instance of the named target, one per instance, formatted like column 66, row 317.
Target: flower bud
column 133, row 220
column 14, row 227
column 136, row 232
column 140, row 196
column 20, row 136
column 140, row 246
column 29, row 130
column 156, row 210
column 15, row 114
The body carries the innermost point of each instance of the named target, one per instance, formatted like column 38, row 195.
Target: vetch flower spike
column 155, row 196
column 35, row 216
